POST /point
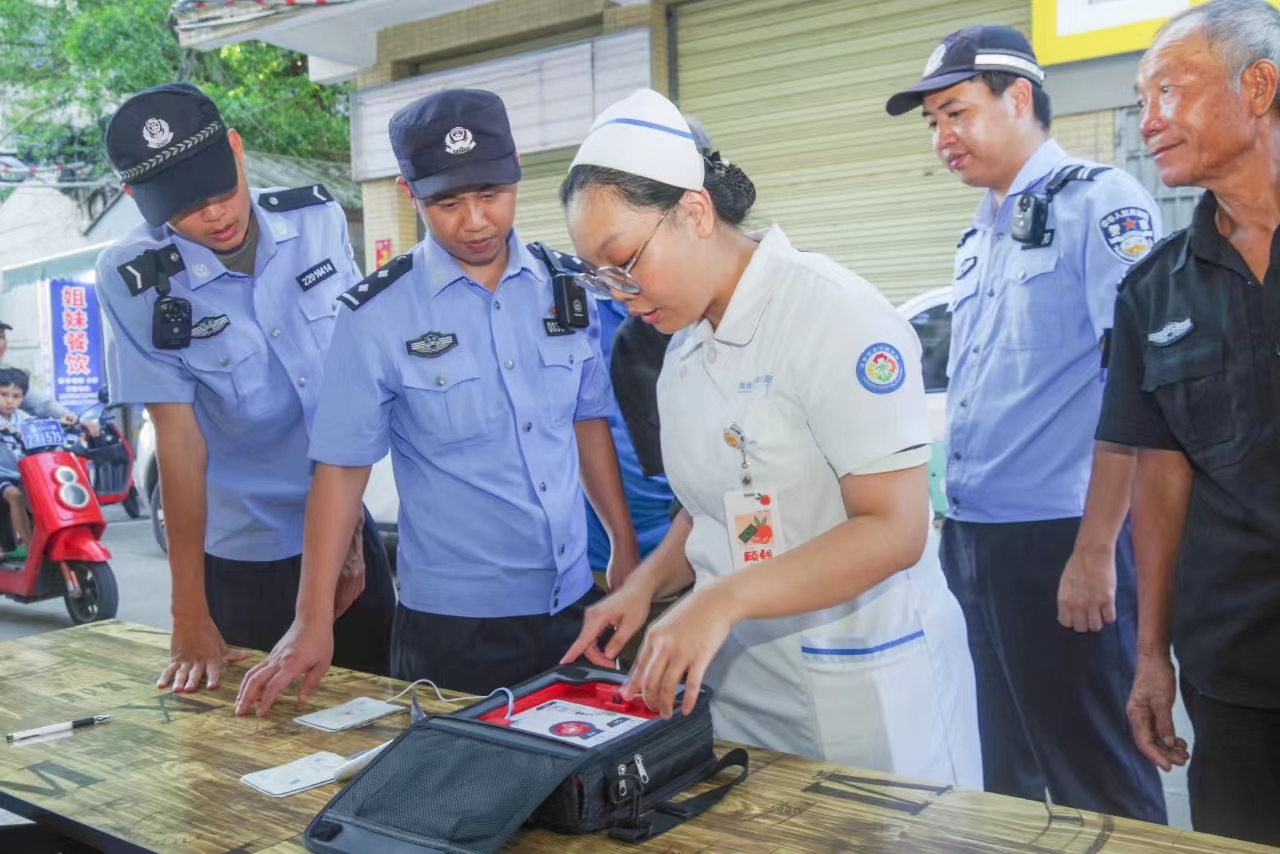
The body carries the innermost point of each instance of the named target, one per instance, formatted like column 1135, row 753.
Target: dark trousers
column 477, row 654
column 253, row 604
column 1234, row 778
column 1051, row 702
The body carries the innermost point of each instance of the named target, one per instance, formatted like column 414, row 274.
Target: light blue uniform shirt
column 256, row 383
column 1026, row 361
column 492, row 518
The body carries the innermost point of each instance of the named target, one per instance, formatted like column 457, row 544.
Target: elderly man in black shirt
column 1194, row 385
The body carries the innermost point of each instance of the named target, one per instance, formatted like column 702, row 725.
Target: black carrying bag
column 453, row 783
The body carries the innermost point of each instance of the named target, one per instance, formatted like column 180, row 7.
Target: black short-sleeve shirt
column 1195, row 367
column 634, row 365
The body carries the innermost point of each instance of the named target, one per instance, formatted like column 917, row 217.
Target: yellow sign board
column 1071, row 30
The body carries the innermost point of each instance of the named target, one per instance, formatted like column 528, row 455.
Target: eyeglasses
column 602, row 281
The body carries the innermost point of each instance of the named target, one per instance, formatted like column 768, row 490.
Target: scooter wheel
column 132, row 504
column 157, row 520
column 99, row 596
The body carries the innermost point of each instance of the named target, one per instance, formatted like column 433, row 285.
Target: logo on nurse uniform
column 880, row 369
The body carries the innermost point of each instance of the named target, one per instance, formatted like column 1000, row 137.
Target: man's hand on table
column 196, row 652
column 305, row 651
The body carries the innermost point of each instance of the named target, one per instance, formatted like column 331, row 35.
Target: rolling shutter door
column 538, row 212
column 793, row 91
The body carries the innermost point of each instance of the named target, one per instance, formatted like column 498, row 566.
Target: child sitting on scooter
column 13, row 390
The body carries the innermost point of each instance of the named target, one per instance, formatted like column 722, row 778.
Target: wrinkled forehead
column 1183, row 45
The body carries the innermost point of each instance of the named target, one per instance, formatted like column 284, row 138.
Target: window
column 933, row 326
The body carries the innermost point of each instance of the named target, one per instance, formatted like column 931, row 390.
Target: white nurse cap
column 644, row 134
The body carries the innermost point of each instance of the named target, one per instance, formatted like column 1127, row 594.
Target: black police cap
column 964, row 55
column 169, row 144
column 454, row 139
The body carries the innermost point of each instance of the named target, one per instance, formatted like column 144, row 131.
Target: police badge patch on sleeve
column 210, row 326
column 1128, row 233
column 431, row 344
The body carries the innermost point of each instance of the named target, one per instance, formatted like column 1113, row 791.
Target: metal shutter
column 538, row 213
column 793, row 91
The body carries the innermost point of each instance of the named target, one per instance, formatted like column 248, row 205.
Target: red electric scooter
column 66, row 557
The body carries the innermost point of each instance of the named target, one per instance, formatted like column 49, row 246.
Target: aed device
column 606, row 696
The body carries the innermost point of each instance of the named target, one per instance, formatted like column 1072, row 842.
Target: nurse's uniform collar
column 751, row 297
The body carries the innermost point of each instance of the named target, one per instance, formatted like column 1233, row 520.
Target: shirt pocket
column 1191, row 386
column 321, row 312
column 227, row 370
column 1034, row 301
column 560, row 375
column 447, row 399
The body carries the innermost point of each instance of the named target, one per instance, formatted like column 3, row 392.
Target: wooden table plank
column 164, row 774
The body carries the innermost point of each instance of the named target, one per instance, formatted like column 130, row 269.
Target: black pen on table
column 53, row 728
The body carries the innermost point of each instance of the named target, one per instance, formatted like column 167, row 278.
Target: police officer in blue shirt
column 221, row 308
column 1035, row 288
column 459, row 359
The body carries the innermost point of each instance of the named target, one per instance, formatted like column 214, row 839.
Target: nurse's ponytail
column 730, row 189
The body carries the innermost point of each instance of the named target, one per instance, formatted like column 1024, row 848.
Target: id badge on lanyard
column 751, row 512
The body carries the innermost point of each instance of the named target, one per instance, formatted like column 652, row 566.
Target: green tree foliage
column 65, row 65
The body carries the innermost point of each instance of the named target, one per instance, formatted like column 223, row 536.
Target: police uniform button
column 562, row 548
column 273, row 200
column 508, row 364
column 542, row 487
column 302, row 381
column 440, row 380
column 965, row 402
column 1022, row 275
column 571, row 358
column 275, row 333
column 174, row 257
column 555, row 603
column 557, row 590
column 956, row 455
column 976, row 348
column 991, row 292
column 224, row 360
column 497, row 306
column 528, row 425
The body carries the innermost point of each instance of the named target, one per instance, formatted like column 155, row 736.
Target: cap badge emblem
column 156, row 132
column 459, row 141
column 935, row 60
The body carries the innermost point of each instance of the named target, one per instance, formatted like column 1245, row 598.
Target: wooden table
column 164, row 775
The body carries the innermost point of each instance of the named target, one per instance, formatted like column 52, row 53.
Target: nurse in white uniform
column 794, row 435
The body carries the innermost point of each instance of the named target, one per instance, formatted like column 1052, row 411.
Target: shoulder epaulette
column 964, row 238
column 377, row 282
column 151, row 269
column 557, row 263
column 291, row 200
column 1140, row 267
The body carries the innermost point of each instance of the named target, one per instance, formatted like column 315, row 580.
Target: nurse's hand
column 1151, row 712
column 624, row 611
column 196, row 653
column 305, row 651
column 679, row 648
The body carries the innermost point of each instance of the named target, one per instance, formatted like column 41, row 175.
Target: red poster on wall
column 382, row 250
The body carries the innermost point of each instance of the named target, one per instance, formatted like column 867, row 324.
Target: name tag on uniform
column 554, row 328
column 755, row 526
column 309, row 278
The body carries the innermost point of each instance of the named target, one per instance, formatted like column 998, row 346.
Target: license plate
column 41, row 434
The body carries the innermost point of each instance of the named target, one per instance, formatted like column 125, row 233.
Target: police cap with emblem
column 964, row 55
column 454, row 139
column 170, row 146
